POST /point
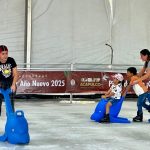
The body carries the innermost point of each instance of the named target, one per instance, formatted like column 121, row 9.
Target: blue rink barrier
column 100, row 110
column 16, row 127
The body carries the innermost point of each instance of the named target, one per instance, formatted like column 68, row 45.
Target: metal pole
column 112, row 53
column 71, row 94
column 111, row 19
column 71, row 97
column 111, row 24
column 28, row 33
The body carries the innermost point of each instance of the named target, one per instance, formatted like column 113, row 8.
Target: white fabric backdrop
column 70, row 31
column 75, row 31
column 12, row 27
column 131, row 30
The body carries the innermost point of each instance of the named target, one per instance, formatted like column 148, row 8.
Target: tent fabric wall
column 70, row 31
column 76, row 31
column 12, row 27
column 130, row 31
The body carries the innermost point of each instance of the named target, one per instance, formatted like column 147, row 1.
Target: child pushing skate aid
column 141, row 90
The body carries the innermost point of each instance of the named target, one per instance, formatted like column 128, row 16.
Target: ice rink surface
column 58, row 125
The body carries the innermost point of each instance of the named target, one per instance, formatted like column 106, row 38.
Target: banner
column 40, row 82
column 90, row 82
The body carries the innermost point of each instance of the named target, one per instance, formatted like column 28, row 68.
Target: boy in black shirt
column 8, row 73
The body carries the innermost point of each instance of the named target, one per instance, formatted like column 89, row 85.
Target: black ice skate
column 138, row 118
column 106, row 119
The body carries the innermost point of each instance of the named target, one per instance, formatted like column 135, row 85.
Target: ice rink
column 56, row 125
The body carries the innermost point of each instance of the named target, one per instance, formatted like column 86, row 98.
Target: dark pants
column 12, row 101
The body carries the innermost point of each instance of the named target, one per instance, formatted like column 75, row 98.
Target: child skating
column 140, row 90
column 113, row 95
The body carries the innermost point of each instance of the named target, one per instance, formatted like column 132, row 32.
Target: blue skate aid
column 16, row 127
column 100, row 110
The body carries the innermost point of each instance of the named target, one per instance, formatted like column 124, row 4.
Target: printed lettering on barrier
column 41, row 82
